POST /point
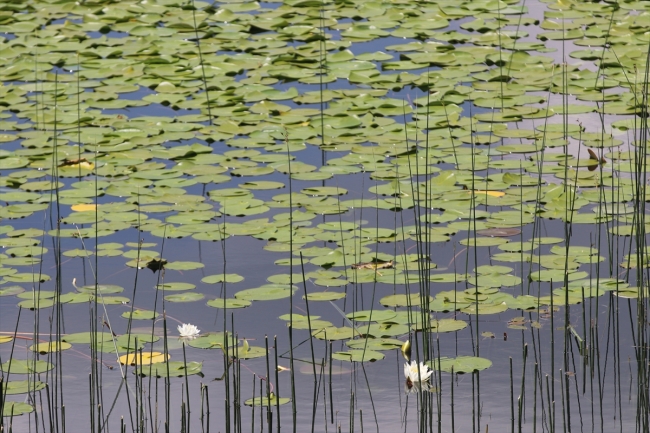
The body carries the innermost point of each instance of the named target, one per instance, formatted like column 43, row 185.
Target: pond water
column 324, row 189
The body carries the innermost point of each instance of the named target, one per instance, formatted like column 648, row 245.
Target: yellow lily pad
column 145, row 358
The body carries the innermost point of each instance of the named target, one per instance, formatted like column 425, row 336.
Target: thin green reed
column 269, row 408
column 512, row 398
column 291, row 367
column 311, row 342
column 522, row 392
column 187, row 391
column 203, row 76
column 277, row 382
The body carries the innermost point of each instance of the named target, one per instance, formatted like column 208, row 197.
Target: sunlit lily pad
column 54, row 346
column 143, row 358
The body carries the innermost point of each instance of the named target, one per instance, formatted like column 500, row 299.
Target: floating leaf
column 324, row 296
column 271, row 401
column 443, row 325
column 184, row 297
column 12, row 408
column 53, row 346
column 140, row 315
column 220, row 278
column 171, row 369
column 460, row 365
column 213, row 341
column 266, row 292
column 175, row 286
column 358, row 355
column 21, row 386
column 228, row 303
column 143, row 358
column 183, row 266
column 86, row 337
column 25, row 366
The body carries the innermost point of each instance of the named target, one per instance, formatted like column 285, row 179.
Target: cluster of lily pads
column 468, row 129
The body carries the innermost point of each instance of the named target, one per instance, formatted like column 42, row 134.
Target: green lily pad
column 184, row 297
column 324, row 296
column 228, row 303
column 12, row 408
column 104, row 289
column 175, row 286
column 12, row 290
column 443, row 325
column 86, row 337
column 140, row 315
column 220, row 278
column 334, row 333
column 183, row 266
column 375, row 344
column 171, row 369
column 270, row 401
column 21, row 387
column 266, row 292
column 214, row 340
column 374, row 315
column 460, row 365
column 25, row 366
column 358, row 355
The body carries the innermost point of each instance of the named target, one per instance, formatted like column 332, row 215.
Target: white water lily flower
column 414, row 388
column 187, row 330
column 417, row 374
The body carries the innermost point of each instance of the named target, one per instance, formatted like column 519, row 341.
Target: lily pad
column 460, row 365
column 229, row 303
column 25, row 366
column 266, row 292
column 184, row 297
column 53, row 346
column 358, row 355
column 143, row 358
column 140, row 315
column 271, row 401
column 21, row 386
column 171, row 369
column 12, row 408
